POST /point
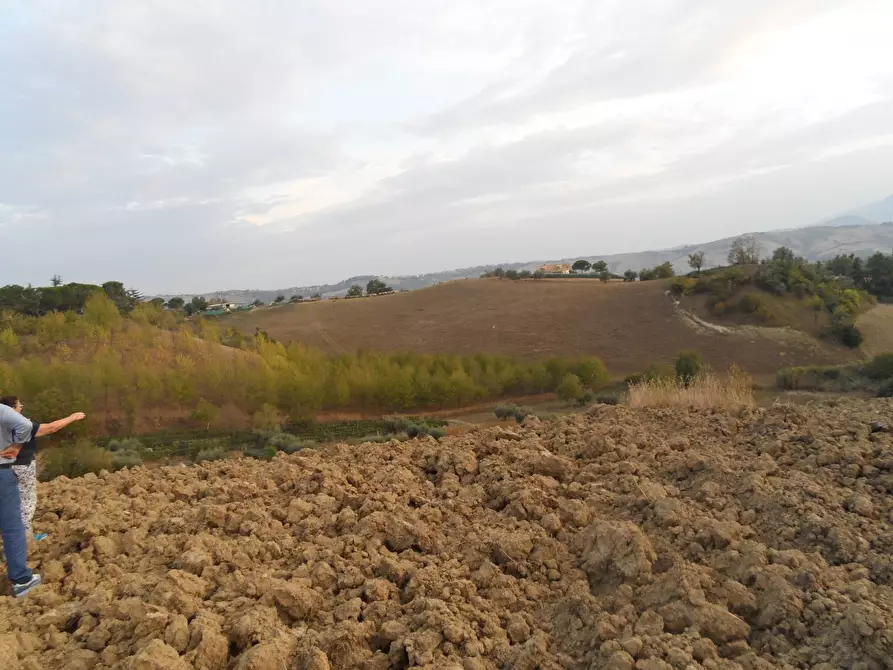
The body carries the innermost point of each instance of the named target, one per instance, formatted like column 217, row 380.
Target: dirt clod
column 620, row 539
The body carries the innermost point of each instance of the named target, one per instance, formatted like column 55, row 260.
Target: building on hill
column 225, row 306
column 556, row 268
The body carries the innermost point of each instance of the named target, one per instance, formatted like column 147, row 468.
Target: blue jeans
column 15, row 543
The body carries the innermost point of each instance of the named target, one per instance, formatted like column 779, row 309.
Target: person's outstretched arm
column 59, row 424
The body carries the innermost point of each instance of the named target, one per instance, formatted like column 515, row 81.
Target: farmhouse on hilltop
column 556, row 268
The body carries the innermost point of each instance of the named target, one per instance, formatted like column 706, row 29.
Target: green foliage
column 355, row 291
column 125, row 444
column 655, row 371
column 570, row 388
column 683, row 286
column 210, row 455
column 689, row 365
column 205, row 413
column 267, row 418
column 74, row 461
column 126, row 458
column 522, row 413
column 176, row 303
column 880, row 367
column 630, row 276
column 266, row 453
column 607, row 399
column 886, row 389
column 591, row 372
column 662, row 271
column 581, row 266
column 849, row 335
column 377, row 287
column 505, row 412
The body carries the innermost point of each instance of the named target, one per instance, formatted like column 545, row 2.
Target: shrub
column 880, row 367
column 570, row 388
column 126, row 444
column 522, row 413
column 886, row 389
column 718, row 308
column 607, row 399
column 683, row 285
column 505, row 412
column 849, row 335
column 750, row 303
column 267, row 453
column 437, row 433
column 74, row 461
column 126, row 459
column 286, row 442
column 587, row 397
column 210, row 455
column 267, row 418
column 689, row 365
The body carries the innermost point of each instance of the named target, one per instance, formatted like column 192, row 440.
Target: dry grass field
column 877, row 326
column 628, row 325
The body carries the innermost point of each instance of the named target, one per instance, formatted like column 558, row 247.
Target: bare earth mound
column 629, row 326
column 621, row 539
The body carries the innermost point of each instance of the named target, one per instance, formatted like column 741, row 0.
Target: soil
column 628, row 325
column 619, row 539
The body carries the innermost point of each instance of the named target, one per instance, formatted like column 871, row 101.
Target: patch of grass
column 74, row 461
column 704, row 391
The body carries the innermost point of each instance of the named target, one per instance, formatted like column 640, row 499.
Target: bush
column 689, row 365
column 849, row 335
column 570, row 388
column 126, row 444
column 505, row 412
column 608, row 399
column 750, row 303
column 587, row 397
column 591, row 372
column 267, row 453
column 880, row 367
column 267, row 418
column 886, row 389
column 74, row 461
column 437, row 433
column 286, row 442
column 126, row 459
column 717, row 308
column 683, row 286
column 522, row 413
column 210, row 455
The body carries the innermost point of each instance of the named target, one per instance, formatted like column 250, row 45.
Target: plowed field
column 619, row 539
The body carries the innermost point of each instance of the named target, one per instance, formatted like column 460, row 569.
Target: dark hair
column 9, row 401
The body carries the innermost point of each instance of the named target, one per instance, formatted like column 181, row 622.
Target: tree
column 570, row 388
column 355, row 291
column 696, row 261
column 176, row 303
column 158, row 302
column 605, row 276
column 279, row 300
column 199, row 304
column 56, row 280
column 257, row 302
column 689, row 365
column 377, row 287
column 205, row 413
column 784, row 256
column 745, row 251
column 499, row 273
column 315, row 296
column 525, row 274
column 664, row 270
column 630, row 275
column 599, row 266
column 539, row 274
column 295, row 298
column 581, row 265
column 514, row 275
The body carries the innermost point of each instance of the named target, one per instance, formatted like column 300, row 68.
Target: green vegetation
column 696, row 261
column 377, row 287
column 874, row 376
column 119, row 369
column 689, row 365
column 355, row 291
column 73, row 297
column 662, row 271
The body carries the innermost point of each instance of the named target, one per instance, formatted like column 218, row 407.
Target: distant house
column 221, row 306
column 556, row 268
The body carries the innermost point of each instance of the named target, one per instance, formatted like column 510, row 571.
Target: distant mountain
column 861, row 231
column 876, row 212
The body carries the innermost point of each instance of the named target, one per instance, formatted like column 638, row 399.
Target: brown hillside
column 629, row 325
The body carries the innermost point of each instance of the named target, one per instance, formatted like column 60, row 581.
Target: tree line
column 150, row 365
column 60, row 297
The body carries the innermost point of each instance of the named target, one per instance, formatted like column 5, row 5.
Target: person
column 25, row 466
column 15, row 431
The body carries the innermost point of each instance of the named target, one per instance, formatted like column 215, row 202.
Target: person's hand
column 11, row 452
column 77, row 416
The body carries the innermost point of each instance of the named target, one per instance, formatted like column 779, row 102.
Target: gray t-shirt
column 14, row 429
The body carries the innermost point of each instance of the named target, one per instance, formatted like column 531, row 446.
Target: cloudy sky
column 201, row 145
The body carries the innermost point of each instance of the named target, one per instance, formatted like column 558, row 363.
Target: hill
column 618, row 539
column 627, row 325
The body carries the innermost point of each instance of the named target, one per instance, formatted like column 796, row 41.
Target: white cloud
column 229, row 125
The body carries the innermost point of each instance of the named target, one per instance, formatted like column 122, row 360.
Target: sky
column 208, row 145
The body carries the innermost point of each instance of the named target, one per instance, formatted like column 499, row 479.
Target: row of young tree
column 121, row 369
